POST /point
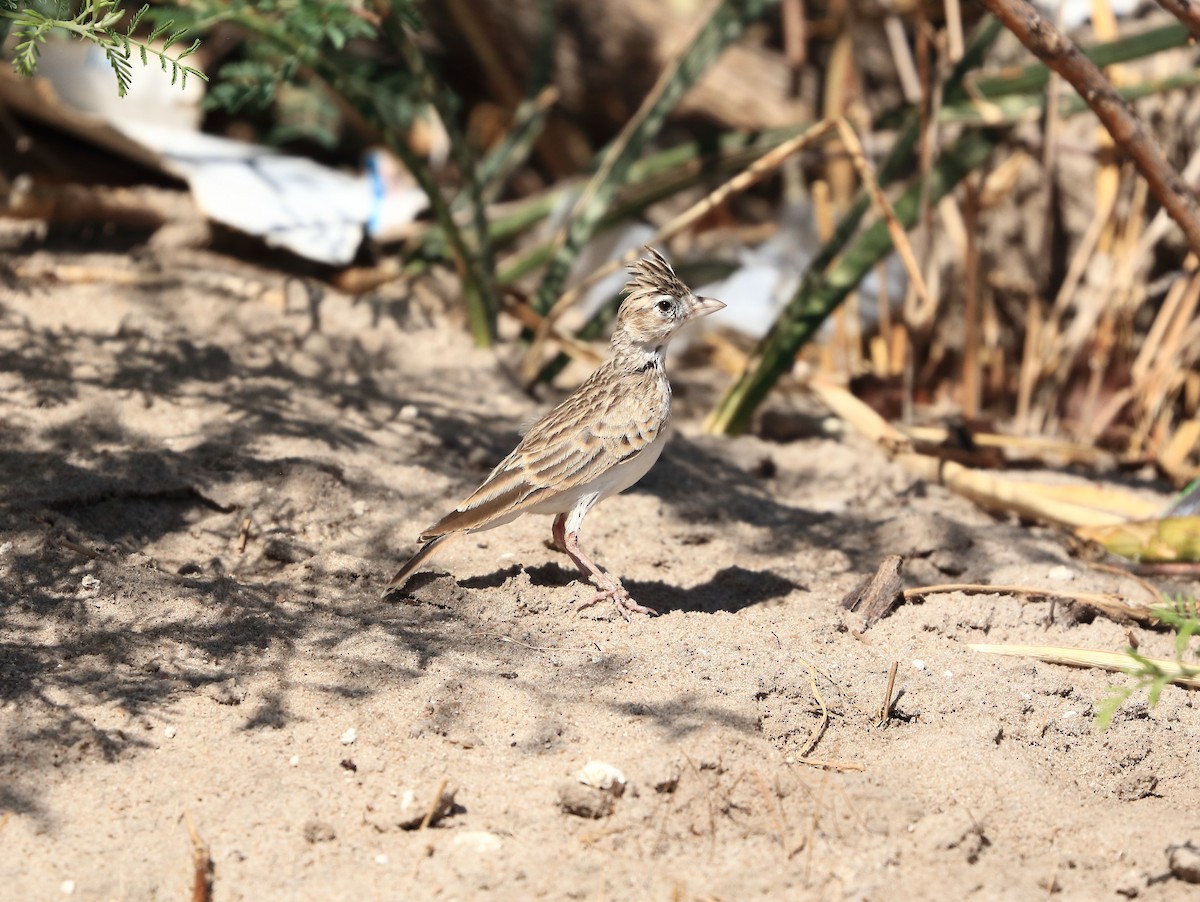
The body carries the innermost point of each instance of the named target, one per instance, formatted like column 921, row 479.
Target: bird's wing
column 588, row 434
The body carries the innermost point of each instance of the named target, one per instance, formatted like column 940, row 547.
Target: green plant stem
column 478, row 266
column 1013, row 108
column 822, row 290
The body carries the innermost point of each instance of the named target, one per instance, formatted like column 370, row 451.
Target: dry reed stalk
column 1173, row 457
column 1068, row 506
column 1114, row 662
column 885, row 311
column 1031, row 366
column 795, row 33
column 840, row 91
column 1154, row 391
column 954, row 31
column 971, row 378
column 906, row 68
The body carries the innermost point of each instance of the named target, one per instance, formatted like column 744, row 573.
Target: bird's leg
column 609, row 586
column 559, row 533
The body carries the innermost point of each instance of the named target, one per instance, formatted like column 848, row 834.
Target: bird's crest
column 653, row 275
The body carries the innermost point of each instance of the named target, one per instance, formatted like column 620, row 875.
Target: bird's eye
column 664, row 305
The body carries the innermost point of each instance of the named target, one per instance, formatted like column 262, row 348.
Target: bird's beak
column 704, row 306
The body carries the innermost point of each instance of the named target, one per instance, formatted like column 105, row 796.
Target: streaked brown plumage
column 596, row 443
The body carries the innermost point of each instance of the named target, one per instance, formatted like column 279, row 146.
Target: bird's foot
column 622, row 599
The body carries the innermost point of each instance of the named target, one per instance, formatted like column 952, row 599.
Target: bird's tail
column 426, row 551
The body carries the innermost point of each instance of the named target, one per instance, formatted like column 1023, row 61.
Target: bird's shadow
column 730, row 589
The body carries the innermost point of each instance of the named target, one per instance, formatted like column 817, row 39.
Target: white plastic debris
column 768, row 275
column 291, row 202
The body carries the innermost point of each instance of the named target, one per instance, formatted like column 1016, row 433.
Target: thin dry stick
column 1060, row 54
column 435, row 804
column 776, row 817
column 1186, row 11
column 754, row 173
column 531, row 319
column 884, row 208
column 1121, row 571
column 1111, row 605
column 885, row 709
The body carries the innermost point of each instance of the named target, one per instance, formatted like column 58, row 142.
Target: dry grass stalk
column 884, row 208
column 1068, row 506
column 906, row 68
column 885, row 709
column 1112, row 606
column 972, row 388
column 518, row 308
column 1115, row 662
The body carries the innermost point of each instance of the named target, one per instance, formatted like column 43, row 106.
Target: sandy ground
column 154, row 674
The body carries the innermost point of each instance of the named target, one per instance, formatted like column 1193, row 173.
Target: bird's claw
column 621, row 598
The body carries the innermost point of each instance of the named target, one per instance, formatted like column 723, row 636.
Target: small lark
column 597, row 443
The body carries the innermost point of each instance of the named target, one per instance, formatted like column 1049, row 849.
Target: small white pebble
column 349, row 736
column 477, row 841
column 89, row 583
column 294, row 761
column 359, row 508
column 169, row 732
column 947, row 673
column 918, row 664
column 6, row 548
column 1061, row 573
column 381, row 859
column 68, row 886
column 1067, row 715
column 409, row 412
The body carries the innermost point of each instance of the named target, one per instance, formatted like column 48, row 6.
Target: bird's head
column 658, row 304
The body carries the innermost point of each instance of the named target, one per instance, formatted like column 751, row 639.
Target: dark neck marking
column 653, row 363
